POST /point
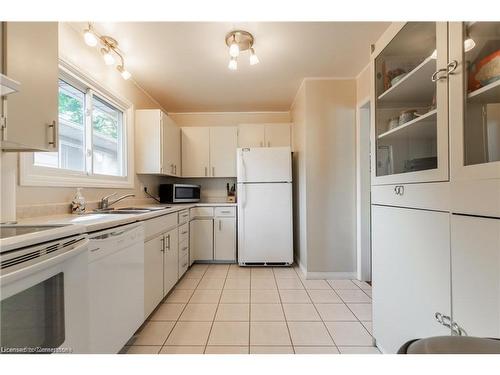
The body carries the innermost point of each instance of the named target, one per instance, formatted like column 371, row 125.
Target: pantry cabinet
column 264, row 135
column 411, row 274
column 31, row 57
column 157, row 143
column 475, row 264
column 209, row 151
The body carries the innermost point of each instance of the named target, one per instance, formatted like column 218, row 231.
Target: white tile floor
column 226, row 309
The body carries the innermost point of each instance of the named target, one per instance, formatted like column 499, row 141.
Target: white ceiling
column 183, row 65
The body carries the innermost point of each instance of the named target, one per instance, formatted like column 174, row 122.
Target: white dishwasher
column 116, row 286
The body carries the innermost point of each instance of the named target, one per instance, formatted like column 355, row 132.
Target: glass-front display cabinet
column 474, row 91
column 410, row 122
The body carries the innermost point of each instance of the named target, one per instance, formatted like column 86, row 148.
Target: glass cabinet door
column 475, row 100
column 411, row 112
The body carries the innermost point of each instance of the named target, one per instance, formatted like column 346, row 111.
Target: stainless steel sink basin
column 123, row 211
column 145, row 208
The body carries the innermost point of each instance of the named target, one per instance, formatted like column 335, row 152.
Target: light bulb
column 233, row 64
column 90, row 38
column 234, row 49
column 469, row 44
column 253, row 58
column 109, row 59
column 125, row 73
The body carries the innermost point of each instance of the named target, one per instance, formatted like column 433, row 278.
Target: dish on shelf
column 420, row 164
column 393, row 123
column 484, row 72
column 408, row 115
column 397, row 79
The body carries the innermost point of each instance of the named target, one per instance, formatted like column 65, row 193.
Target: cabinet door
column 171, row 146
column 410, row 105
column 475, row 266
column 171, row 260
column 277, row 135
column 201, row 239
column 225, row 239
column 411, row 274
column 153, row 274
column 31, row 56
column 474, row 93
column 195, row 151
column 223, row 145
column 251, row 135
column 149, row 135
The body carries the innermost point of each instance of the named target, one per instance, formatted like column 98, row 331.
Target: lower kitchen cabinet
column 411, row 274
column 153, row 273
column 170, row 260
column 225, row 239
column 475, row 260
column 201, row 242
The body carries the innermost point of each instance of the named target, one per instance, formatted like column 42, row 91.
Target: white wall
column 324, row 134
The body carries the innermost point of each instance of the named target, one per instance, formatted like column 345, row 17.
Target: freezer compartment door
column 264, row 164
column 265, row 223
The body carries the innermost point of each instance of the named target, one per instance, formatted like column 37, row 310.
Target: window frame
column 33, row 175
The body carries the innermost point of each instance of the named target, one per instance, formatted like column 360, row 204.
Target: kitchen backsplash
column 213, row 190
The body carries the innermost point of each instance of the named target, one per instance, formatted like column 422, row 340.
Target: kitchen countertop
column 98, row 221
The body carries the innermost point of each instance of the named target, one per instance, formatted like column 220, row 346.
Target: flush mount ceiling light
column 108, row 47
column 239, row 41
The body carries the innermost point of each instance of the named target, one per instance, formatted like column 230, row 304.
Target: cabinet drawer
column 430, row 196
column 159, row 225
column 201, row 212
column 183, row 249
column 225, row 211
column 183, row 265
column 183, row 232
column 183, row 216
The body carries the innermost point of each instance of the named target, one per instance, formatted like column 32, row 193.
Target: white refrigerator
column 264, row 188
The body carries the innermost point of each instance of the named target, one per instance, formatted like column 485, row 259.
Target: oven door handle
column 78, row 247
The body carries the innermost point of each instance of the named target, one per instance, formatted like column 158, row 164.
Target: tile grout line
column 284, row 315
column 322, row 321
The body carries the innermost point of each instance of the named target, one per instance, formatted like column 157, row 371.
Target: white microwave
column 179, row 193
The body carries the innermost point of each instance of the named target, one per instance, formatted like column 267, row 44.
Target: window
column 93, row 144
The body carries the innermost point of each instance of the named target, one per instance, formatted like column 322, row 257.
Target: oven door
column 44, row 297
column 186, row 193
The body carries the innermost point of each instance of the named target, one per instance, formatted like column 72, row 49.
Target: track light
column 233, row 64
column 125, row 73
column 109, row 59
column 253, row 57
column 239, row 41
column 90, row 37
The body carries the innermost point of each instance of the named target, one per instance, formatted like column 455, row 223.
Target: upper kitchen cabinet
column 30, row 52
column 410, row 125
column 264, row 135
column 158, row 142
column 475, row 99
column 209, row 151
column 223, row 144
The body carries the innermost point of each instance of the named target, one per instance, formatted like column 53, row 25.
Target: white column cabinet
column 475, row 264
column 170, row 260
column 411, row 274
column 264, row 135
column 225, row 239
column 153, row 273
column 31, row 58
column 195, row 151
column 157, row 143
column 201, row 232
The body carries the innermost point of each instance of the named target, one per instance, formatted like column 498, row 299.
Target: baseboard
column 330, row 275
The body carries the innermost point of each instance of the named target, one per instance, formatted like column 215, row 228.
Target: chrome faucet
column 105, row 203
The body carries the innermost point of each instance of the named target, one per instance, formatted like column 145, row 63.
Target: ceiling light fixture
column 108, row 48
column 239, row 41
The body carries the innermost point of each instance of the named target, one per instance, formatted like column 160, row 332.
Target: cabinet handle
column 162, row 244
column 206, row 171
column 168, row 238
column 435, row 78
column 52, row 126
column 268, row 144
column 452, row 66
column 225, row 212
column 399, row 190
column 175, row 169
column 213, row 171
column 220, row 225
column 261, row 144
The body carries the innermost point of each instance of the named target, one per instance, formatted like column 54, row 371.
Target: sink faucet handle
column 108, row 196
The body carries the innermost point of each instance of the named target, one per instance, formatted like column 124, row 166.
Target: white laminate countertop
column 99, row 221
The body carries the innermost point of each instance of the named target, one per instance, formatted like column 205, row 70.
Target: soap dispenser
column 78, row 203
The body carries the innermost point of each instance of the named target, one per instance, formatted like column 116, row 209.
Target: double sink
column 128, row 210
